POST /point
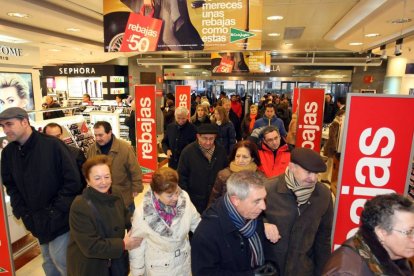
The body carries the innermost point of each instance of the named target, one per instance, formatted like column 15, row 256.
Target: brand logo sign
column 236, row 35
column 310, row 118
column 146, row 129
column 22, row 55
column 6, row 264
column 376, row 156
column 183, row 97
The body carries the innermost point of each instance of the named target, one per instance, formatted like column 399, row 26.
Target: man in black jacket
column 199, row 164
column 42, row 180
column 178, row 135
column 228, row 240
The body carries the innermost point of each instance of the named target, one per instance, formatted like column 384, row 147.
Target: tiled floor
column 34, row 267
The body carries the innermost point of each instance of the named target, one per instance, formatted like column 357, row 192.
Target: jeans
column 54, row 255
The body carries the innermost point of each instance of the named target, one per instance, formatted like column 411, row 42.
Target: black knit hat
column 308, row 159
column 207, row 129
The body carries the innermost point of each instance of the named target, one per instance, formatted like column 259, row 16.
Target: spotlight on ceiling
column 369, row 56
column 398, row 47
column 383, row 52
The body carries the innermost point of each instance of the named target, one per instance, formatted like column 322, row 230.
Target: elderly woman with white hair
column 177, row 135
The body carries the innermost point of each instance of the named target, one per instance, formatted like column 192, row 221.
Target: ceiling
column 329, row 27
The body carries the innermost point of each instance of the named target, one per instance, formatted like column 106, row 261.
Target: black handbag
column 268, row 269
column 116, row 267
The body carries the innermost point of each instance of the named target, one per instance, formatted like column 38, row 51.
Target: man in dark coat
column 228, row 241
column 42, row 180
column 226, row 103
column 50, row 103
column 178, row 135
column 301, row 207
column 199, row 164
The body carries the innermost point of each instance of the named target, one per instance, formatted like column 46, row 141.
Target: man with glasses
column 273, row 157
column 199, row 164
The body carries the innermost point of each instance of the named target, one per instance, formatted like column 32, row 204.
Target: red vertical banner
column 376, row 156
column 310, row 118
column 6, row 259
column 183, row 97
column 146, row 130
column 295, row 100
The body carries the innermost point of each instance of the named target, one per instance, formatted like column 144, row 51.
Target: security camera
column 398, row 50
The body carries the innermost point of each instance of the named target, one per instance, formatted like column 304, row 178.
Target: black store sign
column 85, row 70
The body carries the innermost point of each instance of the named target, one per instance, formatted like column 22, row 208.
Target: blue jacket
column 274, row 121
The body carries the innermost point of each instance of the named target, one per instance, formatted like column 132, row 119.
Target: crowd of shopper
column 237, row 198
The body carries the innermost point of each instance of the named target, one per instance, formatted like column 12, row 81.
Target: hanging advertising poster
column 8, row 94
column 310, row 118
column 183, row 97
column 236, row 62
column 146, row 133
column 377, row 151
column 6, row 260
column 174, row 25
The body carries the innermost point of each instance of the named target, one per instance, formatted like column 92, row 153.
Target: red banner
column 310, row 118
column 141, row 33
column 146, row 130
column 376, row 155
column 183, row 97
column 295, row 100
column 6, row 260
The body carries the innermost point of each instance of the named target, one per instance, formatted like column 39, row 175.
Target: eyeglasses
column 407, row 233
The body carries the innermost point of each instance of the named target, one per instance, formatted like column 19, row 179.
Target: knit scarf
column 248, row 230
column 167, row 213
column 236, row 168
column 252, row 121
column 302, row 193
column 207, row 153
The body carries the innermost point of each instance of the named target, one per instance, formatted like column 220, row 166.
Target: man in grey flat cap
column 302, row 209
column 42, row 179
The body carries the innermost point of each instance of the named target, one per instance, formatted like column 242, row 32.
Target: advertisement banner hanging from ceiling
column 183, row 97
column 239, row 62
column 6, row 260
column 376, row 156
column 173, row 25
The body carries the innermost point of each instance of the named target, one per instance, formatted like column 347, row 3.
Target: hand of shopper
column 131, row 242
column 272, row 233
column 169, row 153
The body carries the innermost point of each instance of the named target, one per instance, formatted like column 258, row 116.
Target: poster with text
column 187, row 25
column 240, row 62
column 6, row 259
column 183, row 97
column 376, row 156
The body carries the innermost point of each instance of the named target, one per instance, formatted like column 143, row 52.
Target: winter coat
column 306, row 231
column 130, row 123
column 176, row 137
column 42, row 180
column 246, row 124
column 271, row 164
column 226, row 136
column 165, row 250
column 218, row 248
column 197, row 121
column 236, row 123
column 197, row 174
column 53, row 114
column 89, row 248
column 274, row 121
column 125, row 169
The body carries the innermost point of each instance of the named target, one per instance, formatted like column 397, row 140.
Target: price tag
column 141, row 33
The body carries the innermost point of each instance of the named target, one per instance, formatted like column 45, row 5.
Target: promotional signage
column 6, row 260
column 310, row 118
column 183, row 97
column 295, row 100
column 10, row 54
column 85, row 70
column 253, row 62
column 146, row 134
column 134, row 26
column 376, row 156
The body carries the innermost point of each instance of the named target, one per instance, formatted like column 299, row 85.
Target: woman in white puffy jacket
column 163, row 220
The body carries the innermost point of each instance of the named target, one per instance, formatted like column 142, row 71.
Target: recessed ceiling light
column 401, row 20
column 273, row 34
column 288, row 44
column 372, row 35
column 256, row 31
column 355, row 43
column 18, row 14
column 12, row 39
column 275, row 17
column 54, row 50
column 73, row 29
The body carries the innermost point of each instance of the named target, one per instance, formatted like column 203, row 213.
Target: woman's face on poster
column 4, row 143
column 10, row 98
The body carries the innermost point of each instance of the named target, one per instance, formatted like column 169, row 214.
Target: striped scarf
column 302, row 193
column 208, row 153
column 248, row 230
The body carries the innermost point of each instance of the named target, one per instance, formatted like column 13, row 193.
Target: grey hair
column 181, row 110
column 240, row 183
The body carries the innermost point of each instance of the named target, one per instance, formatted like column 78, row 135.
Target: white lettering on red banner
column 310, row 116
column 146, row 129
column 183, row 97
column 376, row 156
